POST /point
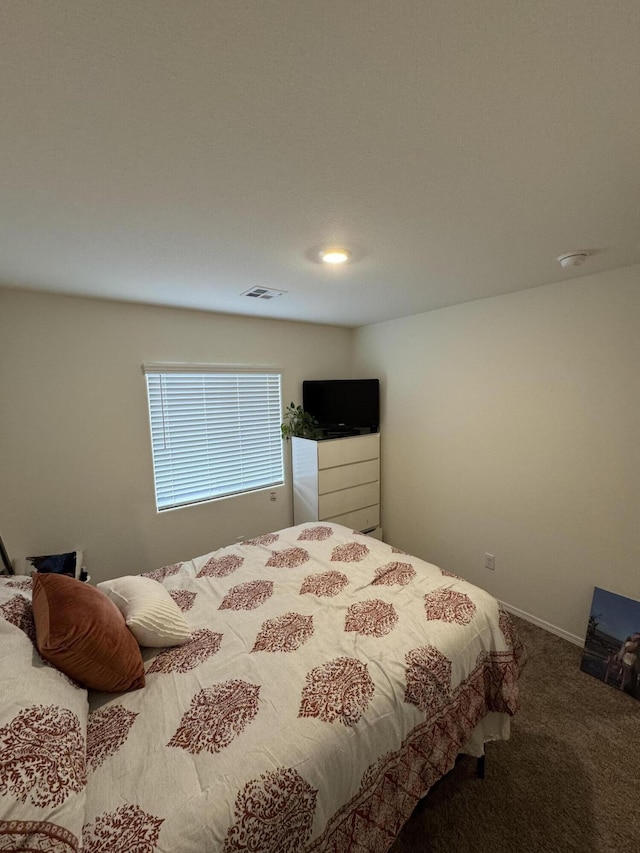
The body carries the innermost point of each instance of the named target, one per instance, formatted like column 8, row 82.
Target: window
column 215, row 431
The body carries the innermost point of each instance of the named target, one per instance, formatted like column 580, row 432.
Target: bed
column 329, row 681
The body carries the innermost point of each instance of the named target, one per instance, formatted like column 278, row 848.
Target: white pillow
column 151, row 614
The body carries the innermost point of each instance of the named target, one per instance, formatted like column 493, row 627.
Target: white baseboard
column 547, row 626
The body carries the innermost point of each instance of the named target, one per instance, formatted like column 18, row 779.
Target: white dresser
column 338, row 480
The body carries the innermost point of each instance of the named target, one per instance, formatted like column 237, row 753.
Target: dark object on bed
column 56, row 564
column 68, row 564
column 6, row 562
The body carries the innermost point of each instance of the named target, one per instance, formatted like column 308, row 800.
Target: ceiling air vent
column 263, row 293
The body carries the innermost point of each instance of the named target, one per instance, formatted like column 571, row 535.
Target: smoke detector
column 573, row 259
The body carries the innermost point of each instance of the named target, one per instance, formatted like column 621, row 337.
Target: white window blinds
column 214, row 432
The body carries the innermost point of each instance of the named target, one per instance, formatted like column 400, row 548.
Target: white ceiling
column 179, row 153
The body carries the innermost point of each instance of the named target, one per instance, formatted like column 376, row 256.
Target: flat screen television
column 343, row 406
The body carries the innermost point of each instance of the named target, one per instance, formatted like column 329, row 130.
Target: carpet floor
column 567, row 780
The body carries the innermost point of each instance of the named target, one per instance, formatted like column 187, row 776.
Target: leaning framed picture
column 612, row 645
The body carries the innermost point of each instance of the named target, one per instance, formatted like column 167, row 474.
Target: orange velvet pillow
column 82, row 633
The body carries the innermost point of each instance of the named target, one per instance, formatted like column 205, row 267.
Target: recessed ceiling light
column 335, row 256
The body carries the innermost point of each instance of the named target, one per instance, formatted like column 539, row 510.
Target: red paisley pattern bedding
column 42, row 756
column 328, row 683
column 337, row 690
column 43, row 726
column 217, row 715
column 128, row 829
column 36, row 837
column 325, row 583
column 274, row 812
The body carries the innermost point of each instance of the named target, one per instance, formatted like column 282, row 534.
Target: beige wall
column 512, row 426
column 75, row 458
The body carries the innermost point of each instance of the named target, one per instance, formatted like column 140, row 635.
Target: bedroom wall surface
column 74, row 430
column 511, row 426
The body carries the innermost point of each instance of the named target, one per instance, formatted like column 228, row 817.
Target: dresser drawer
column 337, row 503
column 346, row 476
column 337, row 480
column 359, row 519
column 344, row 451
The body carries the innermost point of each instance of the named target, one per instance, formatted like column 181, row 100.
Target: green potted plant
column 298, row 422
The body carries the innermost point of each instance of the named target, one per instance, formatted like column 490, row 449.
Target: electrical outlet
column 490, row 562
column 273, row 496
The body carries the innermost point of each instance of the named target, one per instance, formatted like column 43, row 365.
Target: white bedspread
column 329, row 682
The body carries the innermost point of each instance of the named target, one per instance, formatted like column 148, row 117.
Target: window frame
column 170, row 469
